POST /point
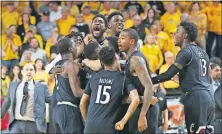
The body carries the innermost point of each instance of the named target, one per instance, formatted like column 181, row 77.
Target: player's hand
column 154, row 100
column 165, row 127
column 57, row 69
column 142, row 123
column 119, row 125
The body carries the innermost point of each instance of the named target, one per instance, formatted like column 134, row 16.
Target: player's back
column 64, row 91
column 107, row 92
column 195, row 75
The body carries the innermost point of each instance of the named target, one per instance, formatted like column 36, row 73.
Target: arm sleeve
column 128, row 86
column 167, row 75
column 88, row 89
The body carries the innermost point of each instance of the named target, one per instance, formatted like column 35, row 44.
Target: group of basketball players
column 103, row 84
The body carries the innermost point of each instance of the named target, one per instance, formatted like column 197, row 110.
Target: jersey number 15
column 103, row 90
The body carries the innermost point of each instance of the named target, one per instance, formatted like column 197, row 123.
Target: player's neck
column 130, row 51
column 185, row 43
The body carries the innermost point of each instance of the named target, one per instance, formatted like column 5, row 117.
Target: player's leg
column 152, row 118
column 133, row 121
column 197, row 112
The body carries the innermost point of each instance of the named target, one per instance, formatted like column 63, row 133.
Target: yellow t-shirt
column 32, row 20
column 163, row 40
column 5, row 85
column 214, row 14
column 9, row 54
column 88, row 18
column 200, row 20
column 105, row 13
column 94, row 5
column 153, row 55
column 9, row 19
column 41, row 76
column 170, row 83
column 65, row 25
column 74, row 10
column 170, row 21
column 128, row 23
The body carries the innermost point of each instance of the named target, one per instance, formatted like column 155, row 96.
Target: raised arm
column 72, row 70
column 138, row 65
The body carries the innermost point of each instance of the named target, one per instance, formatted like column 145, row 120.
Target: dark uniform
column 66, row 114
column 162, row 107
column 218, row 111
column 152, row 114
column 85, row 74
column 195, row 83
column 106, row 90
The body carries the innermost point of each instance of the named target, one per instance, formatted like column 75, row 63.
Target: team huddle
column 104, row 84
column 106, row 87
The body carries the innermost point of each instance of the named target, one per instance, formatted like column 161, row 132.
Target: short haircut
column 91, row 51
column 101, row 16
column 191, row 30
column 64, row 45
column 113, row 42
column 113, row 14
column 132, row 34
column 215, row 60
column 212, row 66
column 107, row 55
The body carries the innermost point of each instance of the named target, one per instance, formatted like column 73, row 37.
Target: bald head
column 169, row 57
column 137, row 20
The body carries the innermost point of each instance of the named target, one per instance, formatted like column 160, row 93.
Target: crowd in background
column 30, row 31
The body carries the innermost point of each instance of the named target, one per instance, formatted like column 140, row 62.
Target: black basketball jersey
column 106, row 90
column 85, row 74
column 64, row 91
column 134, row 79
column 195, row 74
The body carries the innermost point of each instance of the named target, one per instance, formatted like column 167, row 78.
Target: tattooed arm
column 138, row 66
column 134, row 97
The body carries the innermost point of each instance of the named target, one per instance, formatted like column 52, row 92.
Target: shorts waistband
column 66, row 103
column 190, row 92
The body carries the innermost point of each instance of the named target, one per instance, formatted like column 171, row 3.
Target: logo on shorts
column 192, row 127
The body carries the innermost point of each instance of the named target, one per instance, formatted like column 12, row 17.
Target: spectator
column 117, row 5
column 170, row 19
column 150, row 18
column 128, row 22
column 134, row 4
column 5, row 81
column 15, row 74
column 65, row 22
column 73, row 28
column 10, row 45
column 27, row 10
column 29, row 35
column 55, row 11
column 215, row 75
column 152, row 53
column 36, row 51
column 23, row 28
column 95, row 6
column 215, row 60
column 159, row 7
column 132, row 11
column 200, row 20
column 27, row 58
column 45, row 26
column 14, row 32
column 9, row 17
column 140, row 27
column 82, row 27
column 40, row 74
column 43, row 7
column 52, row 40
column 184, row 17
column 107, row 8
column 146, row 8
column 170, row 86
column 214, row 28
column 37, row 36
column 73, row 9
column 163, row 38
column 88, row 16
